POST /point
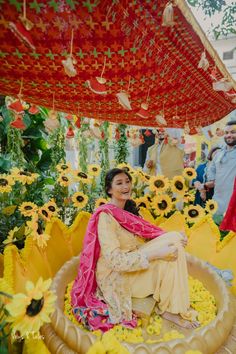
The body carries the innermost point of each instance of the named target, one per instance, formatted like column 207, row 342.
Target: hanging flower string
column 70, row 61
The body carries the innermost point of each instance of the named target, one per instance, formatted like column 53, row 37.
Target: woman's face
column 120, row 187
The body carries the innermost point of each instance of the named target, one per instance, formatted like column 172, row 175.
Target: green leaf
column 26, row 120
column 5, row 164
column 49, row 180
column 32, row 133
column 20, row 233
column 45, row 161
column 9, row 210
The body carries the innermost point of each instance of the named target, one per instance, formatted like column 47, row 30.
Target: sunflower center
column 189, row 173
column 64, row 179
column 3, row 182
column 51, row 208
column 142, row 204
column 24, row 173
column 101, row 203
column 147, row 177
column 211, row 206
column 162, row 205
column 28, row 207
column 82, row 175
column 193, row 213
column 159, row 183
column 64, row 167
column 80, row 198
column 45, row 213
column 34, row 307
column 94, row 169
column 179, row 185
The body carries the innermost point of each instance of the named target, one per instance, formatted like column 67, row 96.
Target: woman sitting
column 116, row 265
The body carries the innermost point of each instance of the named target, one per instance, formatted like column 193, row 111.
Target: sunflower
column 79, row 200
column 141, row 175
column 32, row 225
column 24, row 177
column 100, row 201
column 81, row 177
column 142, row 202
column 188, row 198
column 6, row 183
column 158, row 184
column 94, row 170
column 41, row 238
column 125, row 166
column 64, row 181
column 29, row 311
column 45, row 213
column 51, row 207
column 211, row 206
column 178, row 185
column 64, row 167
column 162, row 204
column 10, row 237
column 189, row 173
column 193, row 213
column 28, row 208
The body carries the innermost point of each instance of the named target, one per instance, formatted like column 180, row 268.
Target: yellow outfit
column 124, row 272
column 171, row 160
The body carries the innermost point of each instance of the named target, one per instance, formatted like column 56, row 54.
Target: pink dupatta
column 88, row 309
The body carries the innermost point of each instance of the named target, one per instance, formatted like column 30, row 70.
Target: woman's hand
column 166, row 253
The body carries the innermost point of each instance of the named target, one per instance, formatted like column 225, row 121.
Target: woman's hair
column 130, row 205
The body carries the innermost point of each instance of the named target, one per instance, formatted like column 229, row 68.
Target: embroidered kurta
column 123, row 271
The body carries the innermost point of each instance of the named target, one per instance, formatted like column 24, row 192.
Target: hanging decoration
column 203, row 63
column 147, row 133
column 18, row 110
column 33, row 109
column 70, row 61
column 52, row 123
column 213, row 74
column 18, row 122
column 70, row 132
column 16, row 105
column 168, row 15
column 160, row 118
column 143, row 112
column 123, row 98
column 97, row 84
column 22, row 27
column 186, row 128
column 222, row 85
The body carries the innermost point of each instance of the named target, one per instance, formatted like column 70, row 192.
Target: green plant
column 121, row 145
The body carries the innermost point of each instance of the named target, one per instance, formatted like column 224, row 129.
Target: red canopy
column 158, row 64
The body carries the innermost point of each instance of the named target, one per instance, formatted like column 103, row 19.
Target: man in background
column 165, row 156
column 222, row 171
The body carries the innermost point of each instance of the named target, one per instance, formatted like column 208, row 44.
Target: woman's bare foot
column 177, row 319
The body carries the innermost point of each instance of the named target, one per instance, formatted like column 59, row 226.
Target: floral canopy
column 51, row 52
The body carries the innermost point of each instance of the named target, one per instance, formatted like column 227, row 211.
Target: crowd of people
column 215, row 174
